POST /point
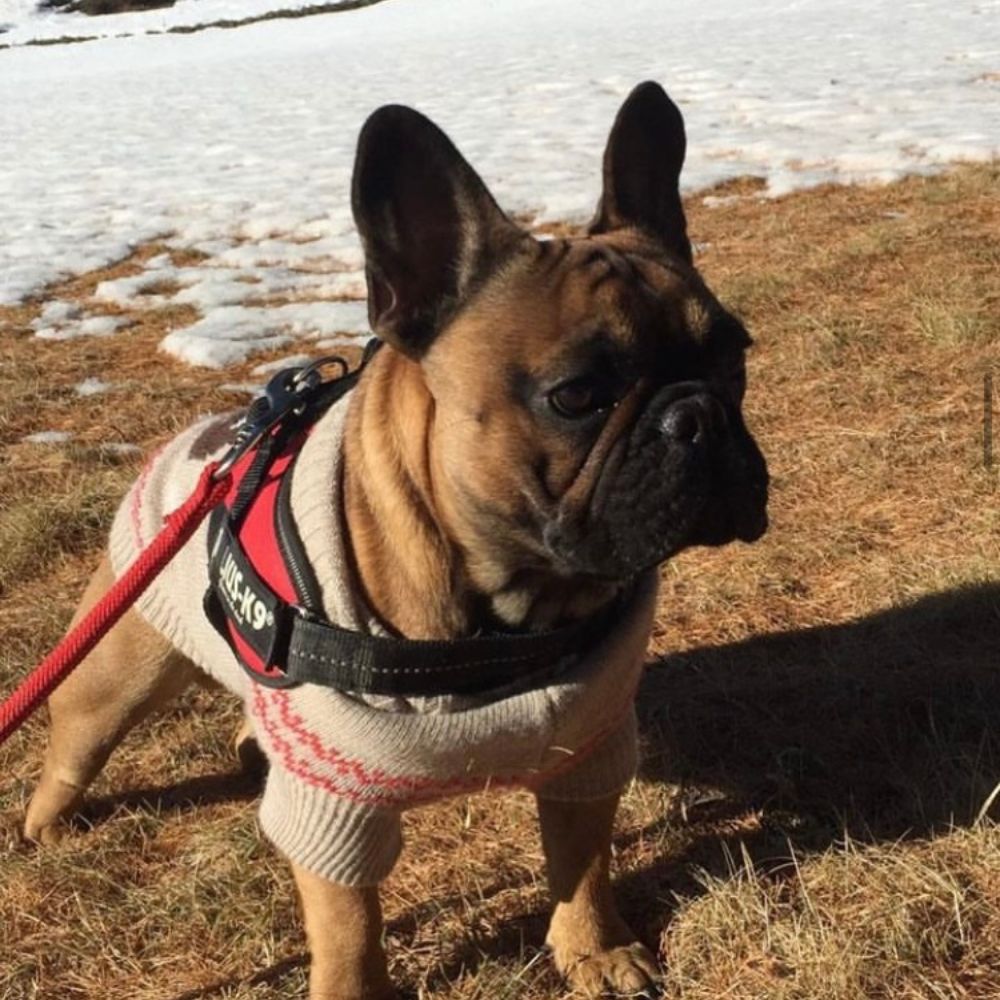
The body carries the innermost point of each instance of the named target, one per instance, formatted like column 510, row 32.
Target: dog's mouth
column 659, row 528
column 741, row 519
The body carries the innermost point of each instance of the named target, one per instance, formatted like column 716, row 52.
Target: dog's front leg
column 344, row 930
column 592, row 945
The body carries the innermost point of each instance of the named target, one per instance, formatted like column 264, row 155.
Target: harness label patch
column 247, row 607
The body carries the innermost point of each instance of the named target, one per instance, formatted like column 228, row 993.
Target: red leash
column 288, row 392
column 178, row 527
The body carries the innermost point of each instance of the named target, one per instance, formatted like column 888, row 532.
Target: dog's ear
column 430, row 228
column 642, row 169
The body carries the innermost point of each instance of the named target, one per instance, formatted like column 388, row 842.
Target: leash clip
column 286, row 394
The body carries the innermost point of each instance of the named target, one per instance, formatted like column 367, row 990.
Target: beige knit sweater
column 342, row 767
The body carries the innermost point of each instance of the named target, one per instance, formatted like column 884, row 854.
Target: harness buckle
column 274, row 670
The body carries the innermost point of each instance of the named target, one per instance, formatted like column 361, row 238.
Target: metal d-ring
column 314, row 366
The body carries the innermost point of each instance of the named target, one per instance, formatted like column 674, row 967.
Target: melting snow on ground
column 239, row 143
column 120, row 448
column 89, row 326
column 92, row 386
column 47, row 437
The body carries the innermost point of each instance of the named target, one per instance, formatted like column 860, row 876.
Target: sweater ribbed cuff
column 344, row 842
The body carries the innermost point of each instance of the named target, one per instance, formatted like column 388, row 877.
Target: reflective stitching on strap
column 451, row 668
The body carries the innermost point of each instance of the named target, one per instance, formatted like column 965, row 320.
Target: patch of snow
column 224, row 281
column 91, row 326
column 22, row 21
column 132, row 291
column 47, row 437
column 251, row 388
column 101, row 326
column 58, row 333
column 229, row 334
column 91, row 387
column 335, row 343
column 248, row 155
column 55, row 312
column 121, row 448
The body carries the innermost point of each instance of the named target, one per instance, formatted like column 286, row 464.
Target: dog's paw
column 627, row 971
column 44, row 834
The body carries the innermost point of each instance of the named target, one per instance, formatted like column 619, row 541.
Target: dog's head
column 586, row 392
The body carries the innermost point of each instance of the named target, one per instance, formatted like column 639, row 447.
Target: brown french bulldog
column 551, row 420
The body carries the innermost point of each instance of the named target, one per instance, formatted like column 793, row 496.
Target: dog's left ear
column 430, row 228
column 642, row 169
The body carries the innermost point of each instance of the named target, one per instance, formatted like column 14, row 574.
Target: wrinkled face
column 586, row 393
column 588, row 410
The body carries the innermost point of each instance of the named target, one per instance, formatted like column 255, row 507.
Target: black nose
column 693, row 419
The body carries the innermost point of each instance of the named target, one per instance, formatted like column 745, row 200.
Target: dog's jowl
column 445, row 577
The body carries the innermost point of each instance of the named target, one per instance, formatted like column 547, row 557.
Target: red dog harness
column 253, row 588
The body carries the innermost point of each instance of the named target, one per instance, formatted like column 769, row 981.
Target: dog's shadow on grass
column 878, row 729
column 205, row 790
column 887, row 725
column 881, row 728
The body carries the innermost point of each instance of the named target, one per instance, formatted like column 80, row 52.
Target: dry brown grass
column 883, row 922
column 836, row 681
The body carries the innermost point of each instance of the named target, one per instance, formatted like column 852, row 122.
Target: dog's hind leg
column 132, row 672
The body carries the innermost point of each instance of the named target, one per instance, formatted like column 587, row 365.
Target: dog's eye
column 578, row 398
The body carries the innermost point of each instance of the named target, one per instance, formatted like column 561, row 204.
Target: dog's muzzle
column 689, row 473
column 710, row 432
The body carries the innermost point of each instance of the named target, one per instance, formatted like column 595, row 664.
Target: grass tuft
column 37, row 530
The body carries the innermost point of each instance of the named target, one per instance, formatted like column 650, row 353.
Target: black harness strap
column 307, row 588
column 322, row 653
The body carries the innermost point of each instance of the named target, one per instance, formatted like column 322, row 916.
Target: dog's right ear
column 642, row 169
column 430, row 228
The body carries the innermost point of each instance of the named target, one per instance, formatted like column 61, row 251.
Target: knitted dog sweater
column 342, row 768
